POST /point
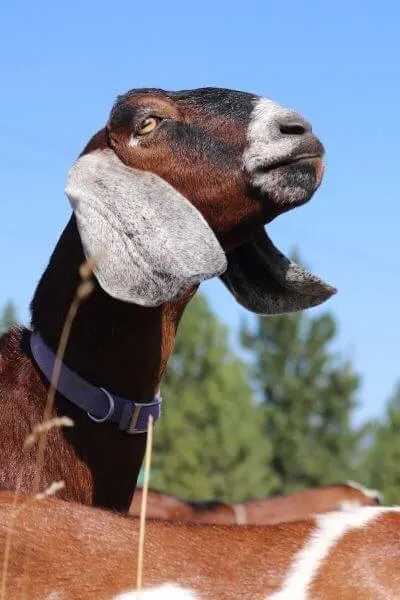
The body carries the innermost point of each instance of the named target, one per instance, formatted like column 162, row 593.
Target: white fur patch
column 239, row 510
column 348, row 505
column 328, row 531
column 368, row 493
column 266, row 144
column 168, row 591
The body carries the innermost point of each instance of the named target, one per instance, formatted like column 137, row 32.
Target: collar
column 98, row 403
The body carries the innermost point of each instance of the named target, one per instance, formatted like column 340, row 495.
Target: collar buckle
column 111, row 406
column 138, row 422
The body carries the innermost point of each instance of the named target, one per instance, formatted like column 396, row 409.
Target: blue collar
column 98, row 403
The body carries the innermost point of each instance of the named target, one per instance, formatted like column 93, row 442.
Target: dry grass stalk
column 7, row 545
column 50, row 491
column 86, row 269
column 143, row 508
column 84, row 289
column 44, row 427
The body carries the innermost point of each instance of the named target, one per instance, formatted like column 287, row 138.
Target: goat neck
column 120, row 346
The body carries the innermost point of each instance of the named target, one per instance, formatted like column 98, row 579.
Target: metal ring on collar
column 110, row 408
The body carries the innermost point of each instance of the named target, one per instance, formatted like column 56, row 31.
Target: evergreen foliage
column 308, row 396
column 209, row 442
column 8, row 317
column 382, row 461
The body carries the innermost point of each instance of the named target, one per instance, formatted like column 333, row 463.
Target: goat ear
column 151, row 242
column 264, row 281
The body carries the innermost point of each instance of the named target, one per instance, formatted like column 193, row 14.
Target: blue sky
column 337, row 63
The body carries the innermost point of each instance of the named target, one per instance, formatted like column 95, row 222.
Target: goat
column 85, row 553
column 266, row 511
column 174, row 190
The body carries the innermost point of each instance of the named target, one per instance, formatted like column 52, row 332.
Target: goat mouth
column 287, row 182
column 304, row 158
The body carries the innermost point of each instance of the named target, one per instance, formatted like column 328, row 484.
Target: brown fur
column 278, row 509
column 90, row 554
column 368, row 560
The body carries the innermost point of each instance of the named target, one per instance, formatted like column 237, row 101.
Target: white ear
column 151, row 242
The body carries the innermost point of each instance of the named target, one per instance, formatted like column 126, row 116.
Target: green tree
column 8, row 317
column 382, row 460
column 209, row 442
column 308, row 396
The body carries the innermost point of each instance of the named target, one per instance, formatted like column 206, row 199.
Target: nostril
column 294, row 127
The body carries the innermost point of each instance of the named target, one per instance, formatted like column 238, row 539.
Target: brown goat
column 267, row 511
column 174, row 190
column 83, row 553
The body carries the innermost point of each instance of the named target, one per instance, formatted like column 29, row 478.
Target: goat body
column 75, row 552
column 266, row 511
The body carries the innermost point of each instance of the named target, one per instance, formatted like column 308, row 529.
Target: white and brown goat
column 175, row 189
column 265, row 511
column 84, row 553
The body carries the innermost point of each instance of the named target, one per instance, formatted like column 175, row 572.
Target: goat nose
column 293, row 125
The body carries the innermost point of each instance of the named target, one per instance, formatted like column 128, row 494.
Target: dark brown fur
column 98, row 463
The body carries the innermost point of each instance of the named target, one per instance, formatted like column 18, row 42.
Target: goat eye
column 147, row 125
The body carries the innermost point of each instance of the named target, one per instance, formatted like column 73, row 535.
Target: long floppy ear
column 151, row 243
column 264, row 281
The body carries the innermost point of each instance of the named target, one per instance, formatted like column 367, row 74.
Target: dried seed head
column 86, row 269
column 53, row 488
column 85, row 289
column 44, row 427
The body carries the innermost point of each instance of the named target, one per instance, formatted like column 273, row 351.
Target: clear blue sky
column 63, row 63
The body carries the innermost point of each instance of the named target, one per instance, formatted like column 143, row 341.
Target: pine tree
column 383, row 458
column 308, row 395
column 209, row 443
column 8, row 317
